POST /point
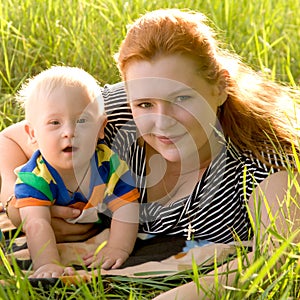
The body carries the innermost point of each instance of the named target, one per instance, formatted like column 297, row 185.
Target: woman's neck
column 169, row 181
column 190, row 164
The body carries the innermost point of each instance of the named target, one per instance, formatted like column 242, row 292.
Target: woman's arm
column 272, row 194
column 279, row 201
column 14, row 151
column 206, row 284
column 67, row 232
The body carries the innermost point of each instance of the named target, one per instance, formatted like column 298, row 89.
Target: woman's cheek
column 144, row 122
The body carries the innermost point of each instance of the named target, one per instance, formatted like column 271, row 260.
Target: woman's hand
column 67, row 232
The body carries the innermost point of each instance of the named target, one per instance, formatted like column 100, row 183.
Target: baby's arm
column 123, row 233
column 41, row 241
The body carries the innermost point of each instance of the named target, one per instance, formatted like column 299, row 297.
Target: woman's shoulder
column 114, row 95
column 114, row 88
column 268, row 159
column 120, row 129
column 115, row 101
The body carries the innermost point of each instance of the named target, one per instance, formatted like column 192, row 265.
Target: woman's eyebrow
column 181, row 91
column 165, row 96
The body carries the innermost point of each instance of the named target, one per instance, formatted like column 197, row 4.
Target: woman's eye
column 145, row 105
column 182, row 98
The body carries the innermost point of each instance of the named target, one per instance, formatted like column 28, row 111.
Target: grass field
column 37, row 34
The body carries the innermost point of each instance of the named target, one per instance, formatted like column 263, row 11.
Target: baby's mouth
column 69, row 149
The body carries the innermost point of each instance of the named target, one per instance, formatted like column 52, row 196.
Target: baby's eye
column 182, row 98
column 81, row 120
column 54, row 122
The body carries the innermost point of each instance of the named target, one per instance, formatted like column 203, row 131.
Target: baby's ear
column 31, row 132
column 101, row 130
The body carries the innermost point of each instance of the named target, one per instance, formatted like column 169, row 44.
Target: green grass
column 37, row 34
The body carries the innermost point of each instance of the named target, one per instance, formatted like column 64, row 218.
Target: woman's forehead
column 162, row 76
column 158, row 88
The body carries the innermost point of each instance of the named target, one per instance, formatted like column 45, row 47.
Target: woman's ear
column 222, row 86
column 31, row 132
column 101, row 130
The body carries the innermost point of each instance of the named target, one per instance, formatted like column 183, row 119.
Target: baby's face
column 66, row 127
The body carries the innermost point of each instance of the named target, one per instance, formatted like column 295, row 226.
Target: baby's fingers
column 103, row 262
column 89, row 258
column 69, row 271
column 107, row 263
column 119, row 262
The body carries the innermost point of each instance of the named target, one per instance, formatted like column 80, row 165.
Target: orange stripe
column 78, row 205
column 31, row 202
column 97, row 196
column 119, row 202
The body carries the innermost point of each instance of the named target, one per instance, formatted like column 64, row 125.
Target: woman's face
column 173, row 106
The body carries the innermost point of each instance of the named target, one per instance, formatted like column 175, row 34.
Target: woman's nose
column 164, row 117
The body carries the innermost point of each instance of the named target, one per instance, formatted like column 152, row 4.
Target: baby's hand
column 48, row 271
column 107, row 258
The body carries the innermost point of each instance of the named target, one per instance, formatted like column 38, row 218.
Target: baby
column 72, row 166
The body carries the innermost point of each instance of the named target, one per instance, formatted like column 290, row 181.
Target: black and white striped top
column 216, row 207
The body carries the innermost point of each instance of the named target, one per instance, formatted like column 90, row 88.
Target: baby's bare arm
column 123, row 233
column 41, row 240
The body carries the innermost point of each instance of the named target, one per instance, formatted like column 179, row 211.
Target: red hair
column 258, row 114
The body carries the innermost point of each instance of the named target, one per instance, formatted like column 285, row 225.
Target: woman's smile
column 169, row 139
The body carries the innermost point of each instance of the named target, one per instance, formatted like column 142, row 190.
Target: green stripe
column 36, row 182
column 114, row 163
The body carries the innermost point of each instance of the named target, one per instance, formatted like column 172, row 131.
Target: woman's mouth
column 169, row 139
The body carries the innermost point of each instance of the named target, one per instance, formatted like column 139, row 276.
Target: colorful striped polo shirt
column 111, row 185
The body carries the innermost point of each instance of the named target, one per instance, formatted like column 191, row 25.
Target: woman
column 208, row 136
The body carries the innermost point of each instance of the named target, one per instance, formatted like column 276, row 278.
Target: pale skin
column 178, row 178
column 66, row 130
